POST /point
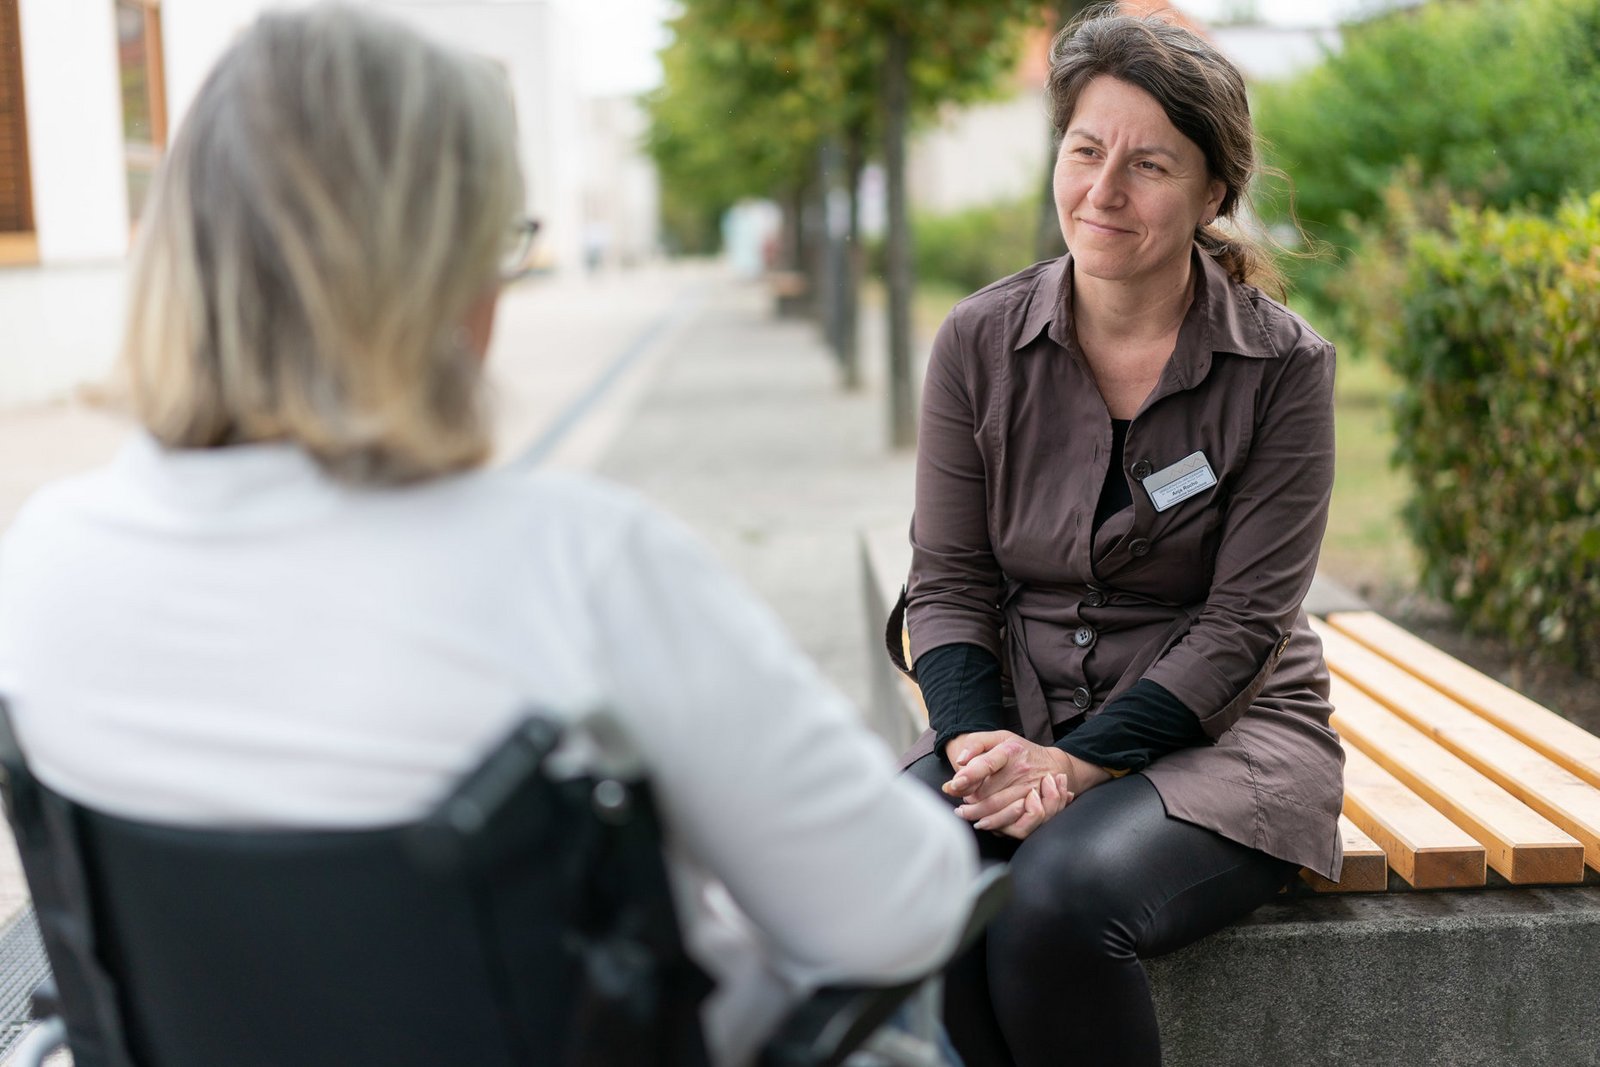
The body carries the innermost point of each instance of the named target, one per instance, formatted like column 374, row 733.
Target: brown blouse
column 1202, row 596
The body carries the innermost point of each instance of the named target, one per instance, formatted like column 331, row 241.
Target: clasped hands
column 1011, row 786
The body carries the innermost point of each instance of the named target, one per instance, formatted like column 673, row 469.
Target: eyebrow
column 1139, row 150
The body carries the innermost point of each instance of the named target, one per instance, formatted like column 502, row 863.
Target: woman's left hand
column 1012, row 786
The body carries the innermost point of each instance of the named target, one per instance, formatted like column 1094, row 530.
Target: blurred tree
column 754, row 88
column 935, row 52
column 1048, row 243
column 732, row 118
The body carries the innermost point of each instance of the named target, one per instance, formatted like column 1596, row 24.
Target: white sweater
column 227, row 638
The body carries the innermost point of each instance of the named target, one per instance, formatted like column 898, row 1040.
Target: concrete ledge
column 1327, row 596
column 888, row 714
column 1454, row 978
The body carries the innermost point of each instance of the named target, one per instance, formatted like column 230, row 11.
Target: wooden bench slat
column 1551, row 790
column 1425, row 848
column 1522, row 845
column 1366, row 868
column 1567, row 743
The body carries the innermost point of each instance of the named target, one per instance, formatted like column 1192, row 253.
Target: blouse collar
column 1223, row 310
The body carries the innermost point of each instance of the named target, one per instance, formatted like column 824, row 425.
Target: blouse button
column 1083, row 637
column 1095, row 599
column 1081, row 697
column 1139, row 546
column 1142, row 469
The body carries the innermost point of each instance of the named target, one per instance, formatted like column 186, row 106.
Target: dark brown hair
column 1202, row 94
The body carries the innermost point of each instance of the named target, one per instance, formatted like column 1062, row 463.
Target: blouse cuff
column 1136, row 728
column 961, row 687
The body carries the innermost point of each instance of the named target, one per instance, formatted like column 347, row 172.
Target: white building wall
column 1267, row 53
column 621, row 187
column 534, row 42
column 75, row 124
column 980, row 154
column 59, row 328
column 80, row 192
column 194, row 35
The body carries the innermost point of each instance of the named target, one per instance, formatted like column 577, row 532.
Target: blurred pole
column 1047, row 240
column 831, row 254
column 815, row 229
column 807, row 246
column 855, row 151
column 897, row 251
column 790, row 205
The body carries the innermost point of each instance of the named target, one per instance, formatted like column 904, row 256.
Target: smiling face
column 1130, row 189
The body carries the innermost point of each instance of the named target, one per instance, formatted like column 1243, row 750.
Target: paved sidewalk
column 747, row 436
column 554, row 339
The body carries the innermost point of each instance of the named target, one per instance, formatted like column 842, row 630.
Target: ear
column 477, row 328
column 1216, row 191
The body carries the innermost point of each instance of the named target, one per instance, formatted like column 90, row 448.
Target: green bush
column 971, row 248
column 1361, row 296
column 1496, row 100
column 1499, row 421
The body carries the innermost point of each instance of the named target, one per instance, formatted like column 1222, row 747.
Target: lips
column 1103, row 228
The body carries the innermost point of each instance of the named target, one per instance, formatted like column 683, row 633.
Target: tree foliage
column 752, row 86
column 734, row 117
column 1495, row 100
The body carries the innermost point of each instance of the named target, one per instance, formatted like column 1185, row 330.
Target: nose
column 1106, row 192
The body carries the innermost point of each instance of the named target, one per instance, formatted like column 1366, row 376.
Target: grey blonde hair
column 1203, row 95
column 337, row 199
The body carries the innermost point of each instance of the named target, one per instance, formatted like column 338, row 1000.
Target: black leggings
column 1109, row 880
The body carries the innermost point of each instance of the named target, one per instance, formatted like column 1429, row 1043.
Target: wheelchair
column 526, row 920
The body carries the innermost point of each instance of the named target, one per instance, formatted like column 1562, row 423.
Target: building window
column 16, row 198
column 144, row 97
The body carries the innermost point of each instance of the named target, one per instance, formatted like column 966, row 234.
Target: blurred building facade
column 90, row 91
column 621, row 194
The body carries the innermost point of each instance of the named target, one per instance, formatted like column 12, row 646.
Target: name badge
column 1173, row 485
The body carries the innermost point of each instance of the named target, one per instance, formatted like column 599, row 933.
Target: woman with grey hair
column 296, row 599
column 1122, row 484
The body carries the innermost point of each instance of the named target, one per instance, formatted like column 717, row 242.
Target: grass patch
column 932, row 302
column 1366, row 546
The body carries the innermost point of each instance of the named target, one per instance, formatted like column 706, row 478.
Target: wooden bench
column 1457, row 935
column 1452, row 780
column 791, row 293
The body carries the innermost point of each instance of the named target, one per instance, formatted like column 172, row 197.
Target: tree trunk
column 855, row 151
column 1047, row 240
column 896, row 91
column 832, row 277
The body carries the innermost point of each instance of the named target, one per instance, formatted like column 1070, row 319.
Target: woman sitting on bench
column 297, row 599
column 1122, row 483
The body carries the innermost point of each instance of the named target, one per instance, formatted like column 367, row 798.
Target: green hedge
column 1499, row 422
column 969, row 249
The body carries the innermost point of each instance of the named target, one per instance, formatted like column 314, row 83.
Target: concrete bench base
column 1498, row 978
